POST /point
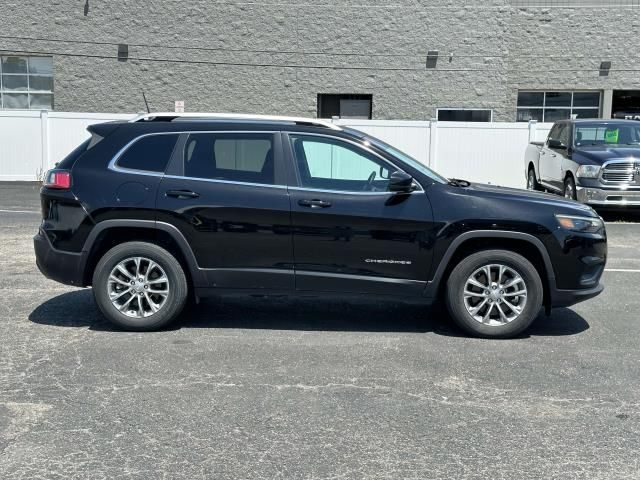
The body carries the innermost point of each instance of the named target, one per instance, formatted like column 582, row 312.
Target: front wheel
column 139, row 286
column 494, row 294
column 570, row 188
column 532, row 181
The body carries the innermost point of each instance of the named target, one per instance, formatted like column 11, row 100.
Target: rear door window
column 234, row 157
column 149, row 154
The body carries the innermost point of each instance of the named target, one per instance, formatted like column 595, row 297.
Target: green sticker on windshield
column 611, row 136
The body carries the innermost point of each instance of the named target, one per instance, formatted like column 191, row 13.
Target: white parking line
column 19, row 211
column 627, row 270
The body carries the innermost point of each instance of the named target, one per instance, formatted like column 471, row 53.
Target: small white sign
column 179, row 106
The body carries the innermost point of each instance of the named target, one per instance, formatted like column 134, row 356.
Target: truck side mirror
column 557, row 144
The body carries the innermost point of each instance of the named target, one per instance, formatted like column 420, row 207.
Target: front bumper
column 58, row 265
column 613, row 198
column 566, row 298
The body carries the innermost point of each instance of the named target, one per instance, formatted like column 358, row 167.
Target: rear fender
column 197, row 275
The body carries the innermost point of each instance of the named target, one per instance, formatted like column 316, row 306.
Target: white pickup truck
column 596, row 162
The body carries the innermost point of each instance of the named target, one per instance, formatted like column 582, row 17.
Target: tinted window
column 554, row 134
column 236, row 157
column 586, row 99
column 564, row 134
column 560, row 132
column 558, row 99
column 530, row 99
column 553, row 106
column 462, row 115
column 344, row 105
column 555, row 114
column 150, row 153
column 334, row 165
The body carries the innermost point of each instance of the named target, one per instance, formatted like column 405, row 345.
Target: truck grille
column 621, row 172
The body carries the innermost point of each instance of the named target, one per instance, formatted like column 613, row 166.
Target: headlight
column 588, row 171
column 580, row 224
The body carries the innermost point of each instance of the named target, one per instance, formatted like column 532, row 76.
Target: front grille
column 620, row 166
column 621, row 173
column 617, row 176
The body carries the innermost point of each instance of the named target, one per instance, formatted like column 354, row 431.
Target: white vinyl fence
column 31, row 142
column 479, row 152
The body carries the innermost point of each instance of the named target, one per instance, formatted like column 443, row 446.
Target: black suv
column 165, row 206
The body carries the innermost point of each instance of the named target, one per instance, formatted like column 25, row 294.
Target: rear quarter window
column 149, row 154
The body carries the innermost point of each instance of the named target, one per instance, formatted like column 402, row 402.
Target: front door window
column 329, row 164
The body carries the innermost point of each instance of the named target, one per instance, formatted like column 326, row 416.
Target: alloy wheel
column 495, row 295
column 568, row 191
column 138, row 287
column 531, row 181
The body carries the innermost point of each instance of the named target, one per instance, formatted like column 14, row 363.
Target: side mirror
column 400, row 182
column 557, row 144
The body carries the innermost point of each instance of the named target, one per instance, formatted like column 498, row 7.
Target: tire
column 532, row 181
column 570, row 188
column 158, row 294
column 499, row 323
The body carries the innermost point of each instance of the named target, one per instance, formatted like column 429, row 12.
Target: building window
column 464, row 115
column 26, row 83
column 553, row 106
column 345, row 106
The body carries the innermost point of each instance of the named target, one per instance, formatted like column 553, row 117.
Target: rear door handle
column 182, row 194
column 314, row 203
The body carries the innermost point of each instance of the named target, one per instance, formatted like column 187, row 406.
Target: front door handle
column 314, row 203
column 182, row 194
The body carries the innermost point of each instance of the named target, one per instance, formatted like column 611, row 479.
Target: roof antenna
column 145, row 101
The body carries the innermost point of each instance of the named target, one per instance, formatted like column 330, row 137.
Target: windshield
column 412, row 162
column 587, row 134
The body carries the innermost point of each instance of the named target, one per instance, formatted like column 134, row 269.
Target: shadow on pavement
column 77, row 309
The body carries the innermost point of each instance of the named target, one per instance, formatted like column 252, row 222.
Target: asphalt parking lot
column 305, row 388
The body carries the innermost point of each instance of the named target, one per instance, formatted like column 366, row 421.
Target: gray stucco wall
column 246, row 59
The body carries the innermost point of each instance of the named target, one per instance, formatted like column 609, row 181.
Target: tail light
column 58, row 179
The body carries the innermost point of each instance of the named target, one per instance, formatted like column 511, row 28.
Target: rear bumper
column 603, row 198
column 566, row 298
column 58, row 265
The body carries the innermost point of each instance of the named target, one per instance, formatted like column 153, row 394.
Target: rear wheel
column 494, row 294
column 139, row 286
column 570, row 188
column 532, row 181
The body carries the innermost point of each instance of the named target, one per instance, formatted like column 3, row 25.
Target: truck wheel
column 570, row 188
column 494, row 294
column 139, row 286
column 532, row 181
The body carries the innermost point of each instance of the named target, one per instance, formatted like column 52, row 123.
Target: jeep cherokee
column 153, row 210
